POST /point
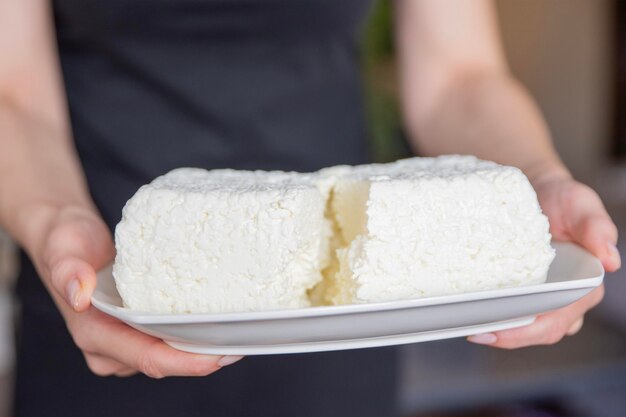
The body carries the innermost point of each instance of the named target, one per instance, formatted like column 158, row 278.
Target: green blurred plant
column 386, row 137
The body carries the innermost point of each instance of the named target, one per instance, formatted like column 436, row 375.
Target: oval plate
column 573, row 273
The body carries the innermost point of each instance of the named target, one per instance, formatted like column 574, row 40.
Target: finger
column 103, row 366
column 77, row 246
column 126, row 373
column 82, row 234
column 152, row 356
column 74, row 280
column 598, row 234
column 589, row 225
column 547, row 329
column 159, row 360
column 575, row 328
column 614, row 257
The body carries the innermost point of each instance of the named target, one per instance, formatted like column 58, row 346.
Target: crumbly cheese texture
column 425, row 227
column 196, row 241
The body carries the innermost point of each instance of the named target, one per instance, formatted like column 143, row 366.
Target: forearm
column 39, row 173
column 493, row 117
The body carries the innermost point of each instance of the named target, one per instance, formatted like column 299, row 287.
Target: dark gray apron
column 157, row 84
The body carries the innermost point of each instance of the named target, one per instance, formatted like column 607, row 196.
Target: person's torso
column 158, row 84
column 248, row 84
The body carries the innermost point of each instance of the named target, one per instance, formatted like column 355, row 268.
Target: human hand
column 576, row 214
column 74, row 244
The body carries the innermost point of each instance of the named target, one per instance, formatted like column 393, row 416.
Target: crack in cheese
column 224, row 241
column 425, row 227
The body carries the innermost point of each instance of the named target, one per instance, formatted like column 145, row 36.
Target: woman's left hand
column 576, row 214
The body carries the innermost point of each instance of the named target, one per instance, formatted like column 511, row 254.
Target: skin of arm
column 46, row 207
column 458, row 96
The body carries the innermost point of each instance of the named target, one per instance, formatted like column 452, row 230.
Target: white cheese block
column 425, row 227
column 197, row 241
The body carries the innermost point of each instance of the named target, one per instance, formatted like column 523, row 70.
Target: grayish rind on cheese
column 198, row 241
column 425, row 227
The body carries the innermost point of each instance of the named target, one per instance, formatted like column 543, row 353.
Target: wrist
column 546, row 171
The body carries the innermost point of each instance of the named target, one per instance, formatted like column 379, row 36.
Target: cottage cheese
column 425, row 227
column 221, row 241
column 225, row 241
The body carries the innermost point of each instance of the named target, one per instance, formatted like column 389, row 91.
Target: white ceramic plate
column 573, row 274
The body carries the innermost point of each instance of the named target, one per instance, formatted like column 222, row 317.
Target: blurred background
column 571, row 54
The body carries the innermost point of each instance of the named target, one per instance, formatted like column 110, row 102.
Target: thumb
column 77, row 246
column 591, row 226
column 598, row 234
column 74, row 280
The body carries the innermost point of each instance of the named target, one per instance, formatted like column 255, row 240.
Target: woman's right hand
column 45, row 204
column 74, row 244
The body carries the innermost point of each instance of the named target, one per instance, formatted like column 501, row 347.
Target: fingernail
column 228, row 360
column 483, row 339
column 614, row 253
column 73, row 293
